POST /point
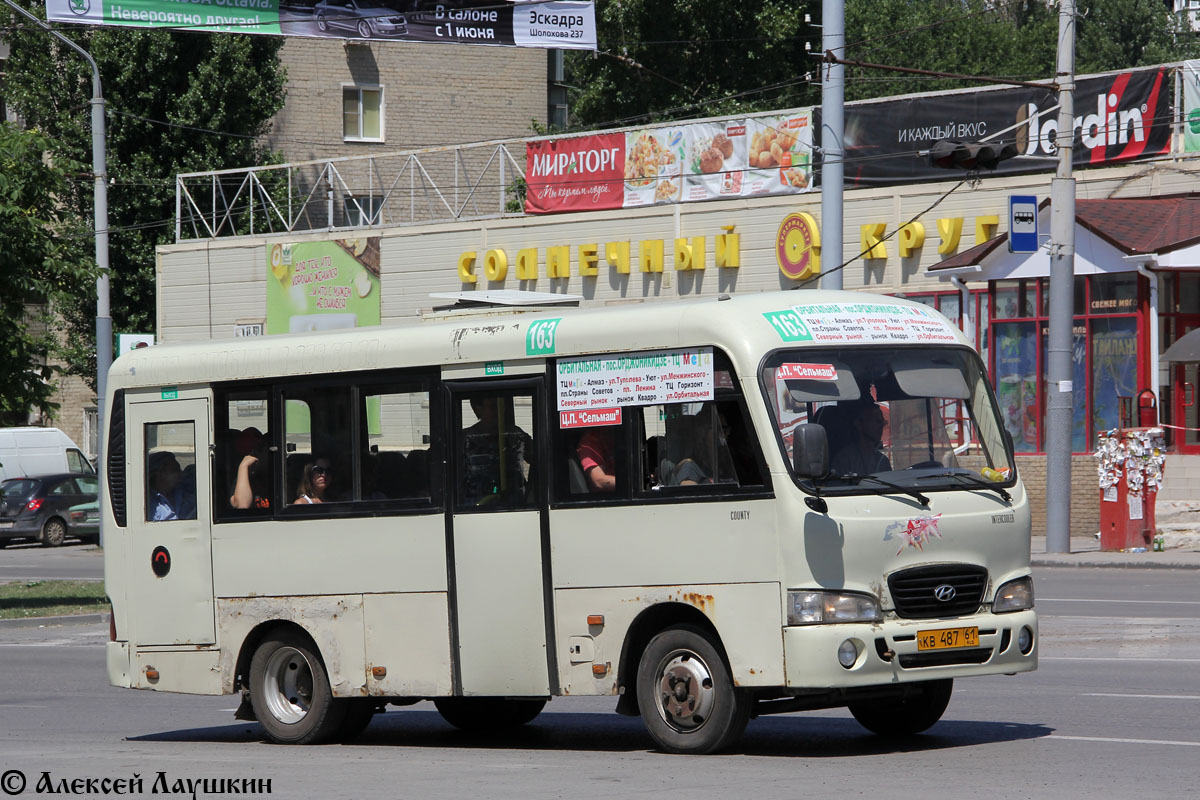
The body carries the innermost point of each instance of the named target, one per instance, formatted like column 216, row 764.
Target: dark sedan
column 38, row 509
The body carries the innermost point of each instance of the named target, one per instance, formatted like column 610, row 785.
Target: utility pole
column 104, row 337
column 833, row 134
column 1059, row 391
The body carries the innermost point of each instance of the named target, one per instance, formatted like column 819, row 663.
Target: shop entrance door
column 1186, row 393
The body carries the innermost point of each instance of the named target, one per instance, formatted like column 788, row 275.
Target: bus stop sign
column 1022, row 224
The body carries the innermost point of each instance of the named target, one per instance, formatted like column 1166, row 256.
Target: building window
column 361, row 211
column 1106, row 368
column 362, row 113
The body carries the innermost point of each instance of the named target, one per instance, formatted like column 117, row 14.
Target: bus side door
column 170, row 572
column 498, row 539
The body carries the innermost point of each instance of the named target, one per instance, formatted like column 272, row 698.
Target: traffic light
column 969, row 155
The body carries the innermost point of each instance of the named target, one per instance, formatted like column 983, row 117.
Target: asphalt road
column 72, row 561
column 1111, row 713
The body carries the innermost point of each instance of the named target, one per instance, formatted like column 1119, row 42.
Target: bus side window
column 396, row 429
column 243, row 455
column 170, row 459
column 318, row 440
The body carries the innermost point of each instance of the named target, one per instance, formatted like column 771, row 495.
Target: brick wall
column 1085, row 493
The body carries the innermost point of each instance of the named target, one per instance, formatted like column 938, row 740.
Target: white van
column 39, row 451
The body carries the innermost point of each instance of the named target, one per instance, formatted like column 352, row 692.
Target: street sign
column 1022, row 223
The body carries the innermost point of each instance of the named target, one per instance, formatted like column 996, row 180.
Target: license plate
column 947, row 638
column 6, row 524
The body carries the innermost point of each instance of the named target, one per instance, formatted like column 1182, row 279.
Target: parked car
column 38, row 508
column 83, row 521
column 366, row 18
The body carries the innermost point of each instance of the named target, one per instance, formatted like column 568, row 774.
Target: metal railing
column 412, row 186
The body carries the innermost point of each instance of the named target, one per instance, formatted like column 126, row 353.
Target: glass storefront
column 1107, row 374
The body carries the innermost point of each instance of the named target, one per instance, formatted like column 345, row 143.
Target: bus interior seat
column 392, row 472
column 416, row 474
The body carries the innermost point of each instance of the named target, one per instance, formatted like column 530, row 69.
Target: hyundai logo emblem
column 944, row 593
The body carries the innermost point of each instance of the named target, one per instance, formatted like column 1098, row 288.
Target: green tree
column 40, row 267
column 661, row 59
column 163, row 90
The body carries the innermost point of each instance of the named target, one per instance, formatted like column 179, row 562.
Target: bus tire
column 359, row 713
column 486, row 714
column 913, row 714
column 686, row 693
column 289, row 690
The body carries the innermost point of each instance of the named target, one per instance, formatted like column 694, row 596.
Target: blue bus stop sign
column 1022, row 224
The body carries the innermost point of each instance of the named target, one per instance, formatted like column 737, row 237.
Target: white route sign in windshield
column 664, row 376
column 851, row 323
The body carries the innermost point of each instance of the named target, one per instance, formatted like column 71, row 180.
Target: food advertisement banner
column 682, row 163
column 318, row 286
column 579, row 174
column 1118, row 118
column 664, row 376
column 855, row 323
column 1190, row 75
column 563, row 24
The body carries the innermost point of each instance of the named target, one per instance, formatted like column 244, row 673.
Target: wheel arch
column 645, row 626
column 257, row 635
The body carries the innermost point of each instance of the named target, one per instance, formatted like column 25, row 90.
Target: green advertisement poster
column 1190, row 75
column 319, row 286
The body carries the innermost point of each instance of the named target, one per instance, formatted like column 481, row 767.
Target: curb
column 1065, row 560
column 41, row 622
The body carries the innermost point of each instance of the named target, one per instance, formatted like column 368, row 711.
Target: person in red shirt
column 595, row 452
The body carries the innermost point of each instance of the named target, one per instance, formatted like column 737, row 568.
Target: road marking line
column 1148, row 696
column 1126, row 660
column 1122, row 741
column 1102, row 600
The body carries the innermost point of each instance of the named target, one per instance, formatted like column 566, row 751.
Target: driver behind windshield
column 858, row 447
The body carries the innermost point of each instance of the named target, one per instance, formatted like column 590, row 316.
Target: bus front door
column 168, row 490
column 498, row 543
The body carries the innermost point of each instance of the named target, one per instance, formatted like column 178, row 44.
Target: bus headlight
column 1014, row 596
column 814, row 608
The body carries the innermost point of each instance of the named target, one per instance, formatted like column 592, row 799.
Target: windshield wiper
column 908, row 490
column 974, row 481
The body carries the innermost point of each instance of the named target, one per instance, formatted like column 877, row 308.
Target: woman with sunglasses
column 314, row 485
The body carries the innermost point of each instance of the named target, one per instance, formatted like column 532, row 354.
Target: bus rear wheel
column 686, row 694
column 485, row 714
column 289, row 690
column 913, row 714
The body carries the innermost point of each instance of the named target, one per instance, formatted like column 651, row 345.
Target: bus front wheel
column 483, row 714
column 686, row 694
column 913, row 714
column 289, row 690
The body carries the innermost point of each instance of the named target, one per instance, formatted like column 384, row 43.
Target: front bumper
column 888, row 651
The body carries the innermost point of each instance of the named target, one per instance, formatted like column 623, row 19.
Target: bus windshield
column 920, row 418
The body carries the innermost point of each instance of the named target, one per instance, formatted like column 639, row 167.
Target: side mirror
column 810, row 451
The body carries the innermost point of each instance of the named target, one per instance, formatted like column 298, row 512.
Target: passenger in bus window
column 857, row 448
column 595, row 452
column 252, row 488
column 497, row 456
column 315, row 483
column 698, row 443
column 737, row 454
column 164, row 478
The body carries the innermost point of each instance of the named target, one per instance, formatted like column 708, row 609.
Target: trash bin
column 1131, row 471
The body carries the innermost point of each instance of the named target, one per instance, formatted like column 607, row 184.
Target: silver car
column 367, row 19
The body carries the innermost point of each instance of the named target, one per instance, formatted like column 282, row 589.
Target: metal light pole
column 104, row 336
column 1060, row 392
column 833, row 151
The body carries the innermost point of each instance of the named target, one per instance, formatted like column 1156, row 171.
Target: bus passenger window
column 398, row 431
column 170, row 458
column 496, row 452
column 318, row 441
column 243, row 459
column 698, row 444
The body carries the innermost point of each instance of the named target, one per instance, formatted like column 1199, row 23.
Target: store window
column 1106, row 373
column 362, row 113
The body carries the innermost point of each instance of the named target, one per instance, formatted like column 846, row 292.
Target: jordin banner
column 561, row 24
column 1118, row 117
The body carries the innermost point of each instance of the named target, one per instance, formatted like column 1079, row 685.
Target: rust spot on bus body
column 704, row 602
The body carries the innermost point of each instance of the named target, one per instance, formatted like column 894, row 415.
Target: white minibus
column 708, row 510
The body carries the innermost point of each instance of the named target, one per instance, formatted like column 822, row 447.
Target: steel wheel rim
column 685, row 691
column 288, row 685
